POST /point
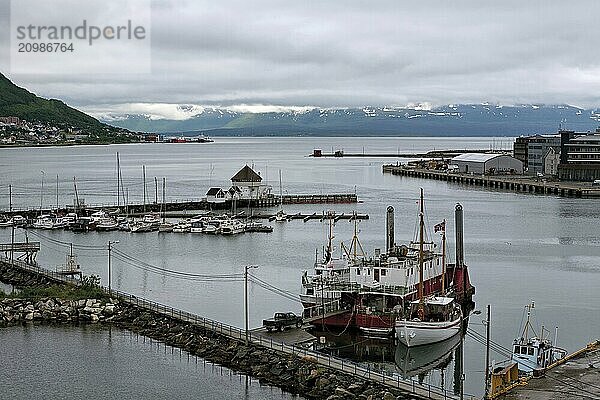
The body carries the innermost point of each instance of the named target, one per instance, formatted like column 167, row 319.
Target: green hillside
column 18, row 102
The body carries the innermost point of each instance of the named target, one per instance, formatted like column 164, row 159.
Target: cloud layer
column 352, row 53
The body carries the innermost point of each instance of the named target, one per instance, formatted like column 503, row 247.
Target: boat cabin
column 532, row 354
column 435, row 309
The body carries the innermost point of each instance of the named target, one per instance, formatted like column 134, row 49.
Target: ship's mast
column 330, row 238
column 444, row 258
column 421, row 229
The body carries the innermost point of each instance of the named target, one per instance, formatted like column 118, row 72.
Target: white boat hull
column 419, row 333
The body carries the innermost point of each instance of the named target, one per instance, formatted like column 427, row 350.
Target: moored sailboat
column 432, row 319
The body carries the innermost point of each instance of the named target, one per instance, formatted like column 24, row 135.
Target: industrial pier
column 513, row 183
column 577, row 376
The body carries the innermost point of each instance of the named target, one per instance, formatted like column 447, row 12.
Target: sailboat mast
column 421, row 229
column 164, row 211
column 280, row 192
column 118, row 182
column 144, row 178
column 444, row 259
column 76, row 197
column 56, row 192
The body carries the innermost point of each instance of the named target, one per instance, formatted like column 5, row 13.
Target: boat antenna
column 528, row 325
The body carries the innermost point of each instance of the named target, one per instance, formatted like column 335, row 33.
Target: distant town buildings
column 568, row 155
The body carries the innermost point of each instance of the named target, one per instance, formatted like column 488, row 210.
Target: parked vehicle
column 281, row 321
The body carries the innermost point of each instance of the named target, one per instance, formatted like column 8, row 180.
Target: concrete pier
column 576, row 378
column 519, row 184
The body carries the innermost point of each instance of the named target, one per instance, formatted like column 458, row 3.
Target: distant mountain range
column 449, row 120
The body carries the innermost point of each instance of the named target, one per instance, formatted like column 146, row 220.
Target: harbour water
column 519, row 247
column 46, row 362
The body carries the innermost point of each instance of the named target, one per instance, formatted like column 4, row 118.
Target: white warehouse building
column 482, row 163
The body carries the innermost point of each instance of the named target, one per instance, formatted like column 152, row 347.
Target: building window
column 383, row 272
column 357, row 271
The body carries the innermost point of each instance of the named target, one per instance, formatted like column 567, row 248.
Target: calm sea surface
column 519, row 247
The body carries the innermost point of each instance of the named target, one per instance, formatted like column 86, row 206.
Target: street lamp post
column 110, row 243
column 246, row 268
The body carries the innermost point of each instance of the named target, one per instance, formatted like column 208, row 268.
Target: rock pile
column 14, row 311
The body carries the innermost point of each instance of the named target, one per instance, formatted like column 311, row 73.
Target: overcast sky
column 350, row 53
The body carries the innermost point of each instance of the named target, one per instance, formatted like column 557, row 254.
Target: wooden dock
column 513, row 183
column 392, row 380
column 196, row 205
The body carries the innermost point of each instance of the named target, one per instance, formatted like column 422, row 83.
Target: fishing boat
column 532, row 352
column 370, row 293
column 430, row 319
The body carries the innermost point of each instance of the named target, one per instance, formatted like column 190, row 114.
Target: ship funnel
column 389, row 229
column 458, row 223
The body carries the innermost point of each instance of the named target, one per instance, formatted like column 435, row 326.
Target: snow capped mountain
column 415, row 119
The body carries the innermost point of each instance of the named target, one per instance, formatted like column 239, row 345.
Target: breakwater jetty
column 443, row 154
column 295, row 369
column 519, row 184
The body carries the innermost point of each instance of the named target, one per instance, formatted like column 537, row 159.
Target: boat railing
column 321, row 309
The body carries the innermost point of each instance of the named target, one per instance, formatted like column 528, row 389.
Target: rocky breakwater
column 55, row 310
column 293, row 373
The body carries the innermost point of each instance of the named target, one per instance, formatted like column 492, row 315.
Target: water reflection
column 413, row 361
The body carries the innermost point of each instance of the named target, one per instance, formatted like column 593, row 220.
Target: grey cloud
column 352, row 53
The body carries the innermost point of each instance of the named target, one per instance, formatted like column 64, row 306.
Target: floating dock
column 519, row 184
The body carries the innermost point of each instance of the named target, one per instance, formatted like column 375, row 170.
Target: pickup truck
column 281, row 321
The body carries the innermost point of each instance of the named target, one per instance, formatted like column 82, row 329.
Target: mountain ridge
column 449, row 120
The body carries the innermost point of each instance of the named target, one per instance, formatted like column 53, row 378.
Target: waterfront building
column 482, row 163
column 537, row 150
column 580, row 156
column 520, row 149
column 215, row 195
column 250, row 184
column 551, row 162
column 532, row 151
